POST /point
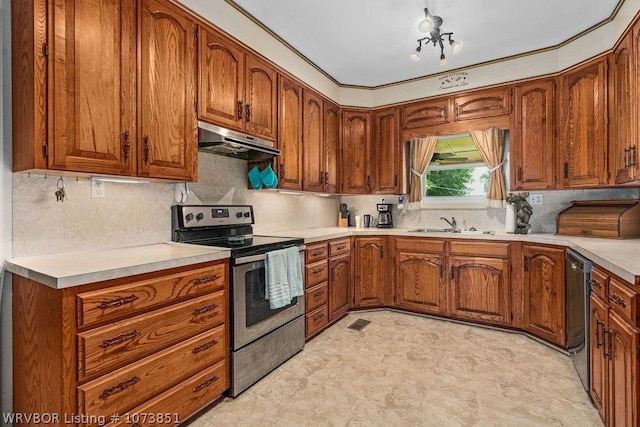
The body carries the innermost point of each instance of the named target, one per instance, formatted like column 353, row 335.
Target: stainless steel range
column 262, row 338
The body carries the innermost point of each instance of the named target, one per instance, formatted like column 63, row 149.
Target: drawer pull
column 616, row 299
column 204, row 309
column 341, row 247
column 117, row 302
column 206, row 279
column 204, row 346
column 119, row 339
column 205, row 384
column 318, row 317
column 595, row 283
column 318, row 270
column 318, row 293
column 316, row 253
column 120, row 387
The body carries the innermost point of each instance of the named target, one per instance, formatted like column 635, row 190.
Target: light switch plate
column 535, row 199
column 97, row 189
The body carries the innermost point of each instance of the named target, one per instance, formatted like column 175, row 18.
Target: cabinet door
column 290, row 135
column 598, row 364
column 620, row 111
column 544, row 292
column 386, row 151
column 331, row 147
column 312, row 137
column 583, row 121
column 93, row 91
column 261, row 101
column 167, row 109
column 339, row 286
column 480, row 290
column 487, row 103
column 623, row 372
column 425, row 113
column 420, row 282
column 221, row 80
column 369, row 271
column 356, row 152
column 634, row 154
column 532, row 137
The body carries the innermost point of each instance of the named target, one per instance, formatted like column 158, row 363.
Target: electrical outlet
column 97, row 189
column 535, row 198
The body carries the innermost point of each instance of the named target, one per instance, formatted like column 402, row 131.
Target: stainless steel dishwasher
column 577, row 274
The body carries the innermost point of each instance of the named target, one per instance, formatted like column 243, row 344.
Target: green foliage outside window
column 450, row 182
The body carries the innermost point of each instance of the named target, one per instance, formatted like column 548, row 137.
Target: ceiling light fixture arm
column 431, row 24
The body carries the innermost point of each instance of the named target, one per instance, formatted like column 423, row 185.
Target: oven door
column 252, row 316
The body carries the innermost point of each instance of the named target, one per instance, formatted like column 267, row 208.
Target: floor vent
column 359, row 324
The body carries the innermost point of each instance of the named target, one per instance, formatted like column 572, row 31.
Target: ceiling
column 367, row 43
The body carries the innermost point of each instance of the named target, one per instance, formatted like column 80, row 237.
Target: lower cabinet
column 613, row 350
column 544, row 292
column 370, row 287
column 340, row 285
column 155, row 342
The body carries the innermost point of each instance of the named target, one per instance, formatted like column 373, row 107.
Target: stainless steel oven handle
column 260, row 257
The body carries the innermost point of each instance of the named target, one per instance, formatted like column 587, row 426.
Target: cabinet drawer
column 479, row 248
column 599, row 283
column 108, row 347
column 338, row 247
column 420, row 244
column 126, row 300
column 181, row 401
column 316, row 296
column 623, row 301
column 317, row 320
column 128, row 387
column 316, row 273
column 316, row 252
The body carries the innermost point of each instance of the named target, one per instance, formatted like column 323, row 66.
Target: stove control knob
column 238, row 214
column 189, row 217
column 247, row 214
column 200, row 217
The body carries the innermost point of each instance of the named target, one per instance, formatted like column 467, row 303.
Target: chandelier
column 431, row 24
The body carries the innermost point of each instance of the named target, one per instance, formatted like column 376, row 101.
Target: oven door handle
column 260, row 257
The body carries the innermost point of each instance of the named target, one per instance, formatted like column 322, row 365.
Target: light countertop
column 621, row 257
column 79, row 268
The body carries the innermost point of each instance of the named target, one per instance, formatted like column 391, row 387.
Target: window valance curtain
column 490, row 144
column 421, row 150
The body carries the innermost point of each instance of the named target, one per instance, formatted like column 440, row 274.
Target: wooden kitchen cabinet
column 168, row 126
column 71, row 115
column 124, row 344
column 544, row 292
column 236, row 89
column 613, row 349
column 386, row 151
column 371, row 285
column 532, row 136
column 425, row 113
column 289, row 134
column 356, row 152
column 420, row 275
column 321, row 138
column 481, row 104
column 339, row 278
column 583, row 125
column 634, row 150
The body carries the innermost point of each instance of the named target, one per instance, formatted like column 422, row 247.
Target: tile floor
column 406, row 370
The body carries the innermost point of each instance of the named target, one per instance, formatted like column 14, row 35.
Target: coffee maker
column 384, row 215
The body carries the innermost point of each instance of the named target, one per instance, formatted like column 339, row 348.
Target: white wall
column 5, row 208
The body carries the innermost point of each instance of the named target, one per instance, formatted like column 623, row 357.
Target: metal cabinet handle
column 595, row 283
column 520, row 173
column 326, row 178
column 318, row 317
column 146, row 148
column 119, row 387
column 204, row 309
column 281, row 170
column 617, row 300
column 453, row 274
column 318, row 293
column 316, row 253
column 239, row 109
column 125, row 145
column 119, row 339
column 526, row 263
column 627, row 160
column 206, row 279
column 608, row 345
column 117, row 302
column 599, row 324
column 204, row 346
column 247, row 112
column 205, row 384
column 341, row 247
column 317, row 270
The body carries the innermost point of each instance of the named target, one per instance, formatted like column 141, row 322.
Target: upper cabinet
column 290, row 134
column 481, row 104
column 82, row 104
column 321, row 136
column 583, row 131
column 237, row 90
column 634, row 154
column 356, row 152
column 386, row 150
column 532, row 136
column 425, row 113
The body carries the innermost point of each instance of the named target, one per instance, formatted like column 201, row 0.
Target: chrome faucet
column 453, row 224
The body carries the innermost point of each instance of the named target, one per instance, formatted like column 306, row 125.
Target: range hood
column 218, row 140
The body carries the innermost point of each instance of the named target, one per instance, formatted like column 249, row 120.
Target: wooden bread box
column 600, row 218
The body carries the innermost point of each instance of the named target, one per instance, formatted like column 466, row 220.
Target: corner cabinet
column 583, row 121
column 371, row 286
column 118, row 119
column 386, row 151
column 356, row 152
column 532, row 136
column 289, row 134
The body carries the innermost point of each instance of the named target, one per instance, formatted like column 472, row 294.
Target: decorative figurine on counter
column 523, row 211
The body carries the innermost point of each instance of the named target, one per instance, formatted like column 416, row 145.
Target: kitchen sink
column 434, row 230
